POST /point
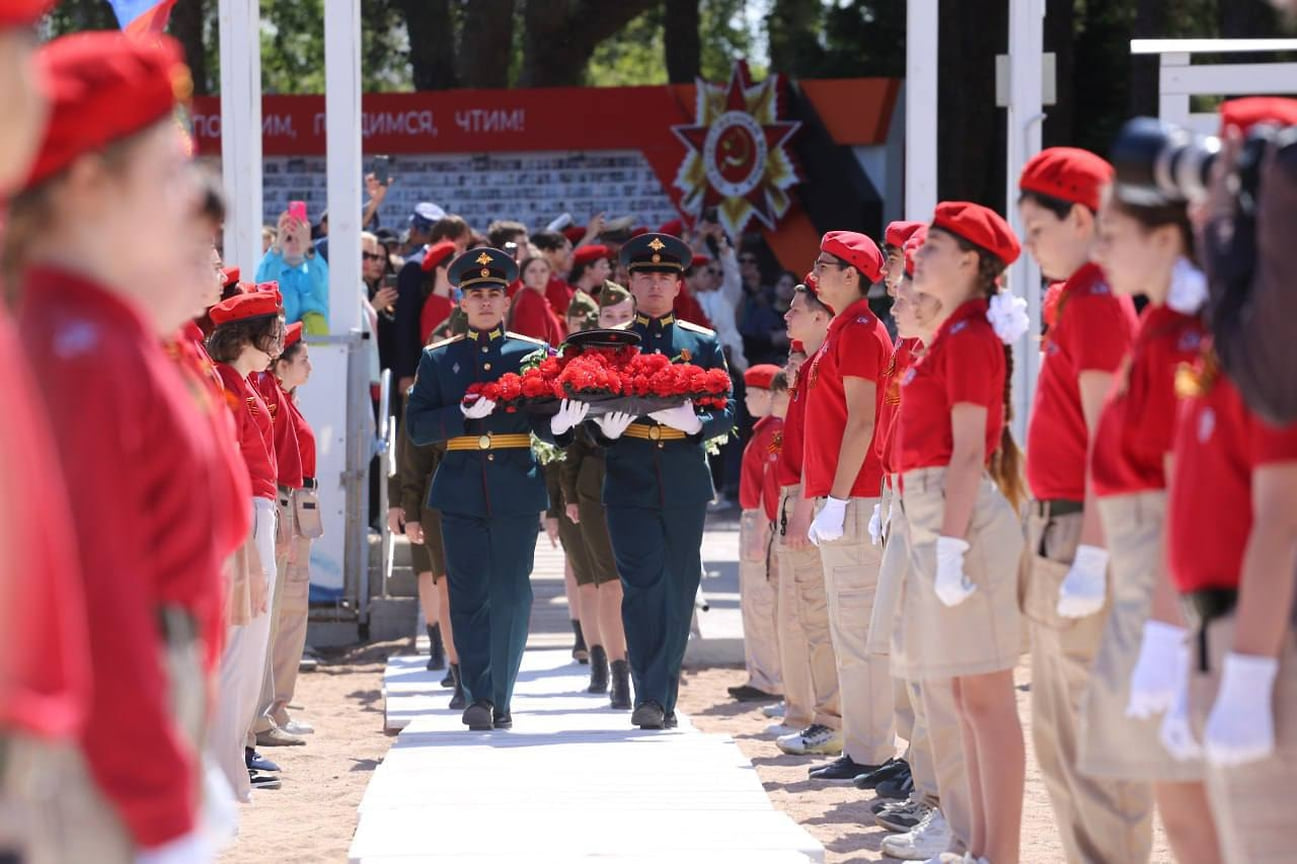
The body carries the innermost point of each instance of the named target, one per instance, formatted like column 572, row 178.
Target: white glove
column 1085, row 587
column 1176, row 735
column 827, row 525
column 681, row 417
column 1240, row 727
column 570, row 413
column 614, row 423
column 218, row 818
column 189, row 849
column 876, row 524
column 952, row 586
column 1153, row 683
column 478, row 409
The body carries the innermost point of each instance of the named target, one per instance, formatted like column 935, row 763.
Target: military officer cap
column 483, row 267
column 656, row 253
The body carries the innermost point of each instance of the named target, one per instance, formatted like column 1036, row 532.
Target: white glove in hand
column 1085, row 586
column 570, row 413
column 876, row 524
column 478, row 409
column 952, row 586
column 1153, row 682
column 681, row 417
column 614, row 423
column 1240, row 727
column 827, row 525
column 1176, row 735
column 218, row 817
column 189, row 849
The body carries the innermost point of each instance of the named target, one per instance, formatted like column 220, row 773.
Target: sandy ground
column 311, row 819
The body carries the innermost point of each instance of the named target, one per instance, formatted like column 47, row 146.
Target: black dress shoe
column 649, row 715
column 502, row 719
column 844, row 769
column 480, row 716
column 254, row 761
column 889, row 770
column 898, row 788
column 748, row 693
column 670, row 721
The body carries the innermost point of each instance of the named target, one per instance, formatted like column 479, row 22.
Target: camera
column 1158, row 163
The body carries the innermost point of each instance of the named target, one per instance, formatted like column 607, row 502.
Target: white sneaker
column 779, row 730
column 815, row 739
column 929, row 838
column 954, row 858
column 297, row 727
column 776, row 710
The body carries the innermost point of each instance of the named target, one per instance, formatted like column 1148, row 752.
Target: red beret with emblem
column 898, row 232
column 1243, row 114
column 980, row 226
column 590, row 254
column 240, row 307
column 912, row 246
column 761, row 375
column 23, row 13
column 856, row 249
column 293, row 333
column 1067, row 173
column 105, row 86
column 437, row 254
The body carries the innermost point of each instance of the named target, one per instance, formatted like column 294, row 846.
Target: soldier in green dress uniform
column 657, row 485
column 488, row 487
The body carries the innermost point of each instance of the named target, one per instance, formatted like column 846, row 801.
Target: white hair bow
column 1008, row 315
column 1188, row 288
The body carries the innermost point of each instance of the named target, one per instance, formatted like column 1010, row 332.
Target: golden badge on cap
column 485, row 272
column 657, row 245
column 484, row 259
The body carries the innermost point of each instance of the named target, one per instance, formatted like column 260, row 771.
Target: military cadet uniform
column 490, row 491
column 656, row 492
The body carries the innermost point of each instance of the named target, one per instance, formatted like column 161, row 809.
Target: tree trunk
column 682, row 41
column 970, row 149
column 432, row 43
column 486, row 43
column 187, row 27
column 793, row 27
column 1059, row 37
column 561, row 35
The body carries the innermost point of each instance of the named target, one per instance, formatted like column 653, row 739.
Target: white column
column 1026, row 59
column 920, row 109
column 240, row 38
column 345, row 165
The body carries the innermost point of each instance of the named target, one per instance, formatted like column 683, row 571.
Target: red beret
column 857, row 250
column 258, row 304
column 912, row 245
column 589, row 254
column 813, row 288
column 22, row 13
column 1243, row 114
column 898, row 232
column 293, row 333
column 230, row 276
column 796, row 347
column 980, row 226
column 699, row 260
column 1067, row 173
column 269, row 288
column 761, row 375
column 674, row 227
column 437, row 254
column 105, row 86
column 639, row 230
column 574, row 233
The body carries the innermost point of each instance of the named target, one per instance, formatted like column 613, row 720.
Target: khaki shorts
column 1112, row 744
column 1252, row 803
column 430, row 555
column 886, row 631
column 982, row 634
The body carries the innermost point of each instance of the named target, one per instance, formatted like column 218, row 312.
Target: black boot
column 598, row 670
column 457, row 700
column 579, row 652
column 452, row 673
column 437, row 651
column 620, row 696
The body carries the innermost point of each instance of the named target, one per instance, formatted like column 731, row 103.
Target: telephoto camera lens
column 1157, row 163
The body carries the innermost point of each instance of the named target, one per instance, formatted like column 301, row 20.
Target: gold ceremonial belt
column 489, row 442
column 654, row 433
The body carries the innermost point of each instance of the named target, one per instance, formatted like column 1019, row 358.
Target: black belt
column 310, row 483
column 177, row 625
column 1203, row 607
column 1058, row 507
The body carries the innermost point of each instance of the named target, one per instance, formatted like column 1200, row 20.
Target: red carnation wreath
column 610, row 379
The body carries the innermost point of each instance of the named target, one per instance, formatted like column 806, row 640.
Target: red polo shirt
column 288, row 460
column 436, row 309
column 1137, row 426
column 559, row 294
column 885, row 438
column 857, row 346
column 788, row 469
column 759, row 460
column 532, row 316
column 305, row 437
column 1218, row 444
column 255, row 431
column 964, row 364
column 1092, row 332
